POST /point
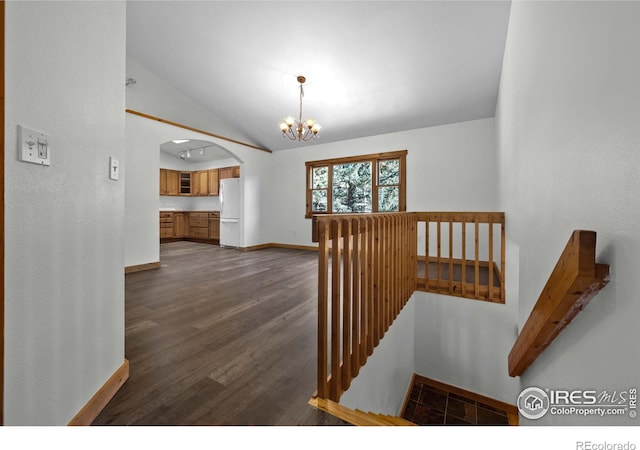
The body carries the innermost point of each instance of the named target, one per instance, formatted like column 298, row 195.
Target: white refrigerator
column 230, row 212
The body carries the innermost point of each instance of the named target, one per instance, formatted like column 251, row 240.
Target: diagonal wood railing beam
column 187, row 127
column 574, row 281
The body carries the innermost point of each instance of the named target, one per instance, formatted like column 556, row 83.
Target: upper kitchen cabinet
column 214, row 182
column 185, row 183
column 200, row 182
column 169, row 182
column 229, row 172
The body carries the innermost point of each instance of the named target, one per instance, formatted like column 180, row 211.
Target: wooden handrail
column 574, row 281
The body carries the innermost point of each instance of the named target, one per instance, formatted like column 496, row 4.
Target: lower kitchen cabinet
column 180, row 225
column 202, row 226
column 214, row 226
column 166, row 225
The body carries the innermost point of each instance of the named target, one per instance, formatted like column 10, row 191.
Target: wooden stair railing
column 368, row 268
column 373, row 274
column 574, row 281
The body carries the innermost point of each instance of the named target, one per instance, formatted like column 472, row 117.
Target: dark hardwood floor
column 220, row 337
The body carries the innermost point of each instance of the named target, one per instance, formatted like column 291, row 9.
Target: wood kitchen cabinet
column 173, row 177
column 166, row 224
column 163, row 182
column 185, row 183
column 214, row 181
column 199, row 225
column 180, row 225
column 200, row 183
column 229, row 172
column 169, row 182
column 214, row 226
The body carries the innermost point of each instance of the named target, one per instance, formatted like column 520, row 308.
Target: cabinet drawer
column 166, row 215
column 214, row 215
column 199, row 215
column 201, row 233
column 198, row 223
column 166, row 224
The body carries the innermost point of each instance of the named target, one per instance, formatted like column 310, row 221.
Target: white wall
column 464, row 152
column 64, row 291
column 568, row 134
column 382, row 383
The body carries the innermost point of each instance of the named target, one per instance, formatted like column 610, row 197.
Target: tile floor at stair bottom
column 432, row 406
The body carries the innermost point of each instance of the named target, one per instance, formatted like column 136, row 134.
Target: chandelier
column 297, row 129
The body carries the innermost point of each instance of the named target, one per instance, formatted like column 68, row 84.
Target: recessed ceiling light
column 180, row 141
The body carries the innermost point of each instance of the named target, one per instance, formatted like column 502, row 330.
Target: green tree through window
column 360, row 184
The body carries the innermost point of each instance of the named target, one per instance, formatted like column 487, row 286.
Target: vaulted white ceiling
column 372, row 67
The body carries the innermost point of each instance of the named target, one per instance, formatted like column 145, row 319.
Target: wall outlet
column 33, row 146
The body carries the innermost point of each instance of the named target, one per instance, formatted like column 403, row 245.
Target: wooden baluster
column 414, row 252
column 396, row 269
column 384, row 256
column 426, row 253
column 364, row 286
column 477, row 262
column 357, row 298
column 335, row 384
column 490, row 256
column 464, row 255
column 400, row 259
column 323, row 292
column 502, row 261
column 371, row 224
column 377, row 282
column 438, row 270
column 346, row 304
column 450, row 255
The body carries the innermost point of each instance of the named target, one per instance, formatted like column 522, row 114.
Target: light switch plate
column 33, row 146
column 114, row 169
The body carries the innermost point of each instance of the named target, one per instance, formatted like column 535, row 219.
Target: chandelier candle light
column 297, row 129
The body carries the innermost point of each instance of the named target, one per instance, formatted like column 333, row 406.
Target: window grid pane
column 352, row 187
column 319, row 200
column 389, row 172
column 388, row 198
column 320, row 177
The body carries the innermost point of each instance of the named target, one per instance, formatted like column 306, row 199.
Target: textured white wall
column 64, row 291
column 568, row 126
